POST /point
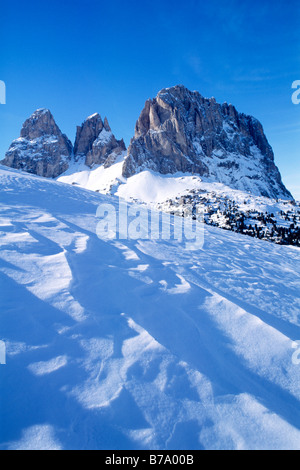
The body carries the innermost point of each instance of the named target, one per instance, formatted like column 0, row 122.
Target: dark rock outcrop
column 96, row 143
column 180, row 131
column 41, row 149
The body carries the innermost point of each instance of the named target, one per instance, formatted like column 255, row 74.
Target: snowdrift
column 127, row 344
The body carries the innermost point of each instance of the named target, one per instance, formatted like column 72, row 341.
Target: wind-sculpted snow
column 140, row 344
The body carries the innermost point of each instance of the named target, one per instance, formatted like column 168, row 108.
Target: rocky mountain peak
column 106, row 125
column 95, row 142
column 42, row 148
column 86, row 135
column 40, row 123
column 178, row 131
column 181, row 131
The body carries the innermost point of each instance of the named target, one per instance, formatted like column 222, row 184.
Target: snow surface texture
column 140, row 344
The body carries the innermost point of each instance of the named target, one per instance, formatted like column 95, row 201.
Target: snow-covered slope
column 154, row 189
column 99, row 178
column 147, row 186
column 150, row 186
column 140, row 344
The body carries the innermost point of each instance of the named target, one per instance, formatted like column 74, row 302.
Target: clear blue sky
column 80, row 57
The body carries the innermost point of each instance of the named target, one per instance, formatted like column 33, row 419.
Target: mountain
column 96, row 144
column 41, row 149
column 180, row 131
column 141, row 343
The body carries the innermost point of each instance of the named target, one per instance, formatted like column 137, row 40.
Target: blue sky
column 80, row 57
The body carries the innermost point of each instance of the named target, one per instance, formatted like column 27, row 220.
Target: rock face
column 41, row 149
column 180, row 131
column 96, row 143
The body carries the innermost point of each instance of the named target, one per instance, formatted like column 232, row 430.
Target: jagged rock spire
column 106, row 125
column 86, row 134
column 96, row 143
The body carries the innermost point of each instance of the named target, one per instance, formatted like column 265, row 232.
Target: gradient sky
column 80, row 57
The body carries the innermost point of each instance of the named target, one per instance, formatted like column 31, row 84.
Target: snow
column 104, row 137
column 141, row 344
column 97, row 179
column 147, row 186
column 154, row 188
column 151, row 187
column 47, row 367
column 36, row 438
column 92, row 116
column 40, row 112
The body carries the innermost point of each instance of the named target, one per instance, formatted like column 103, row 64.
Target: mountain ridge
column 178, row 131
